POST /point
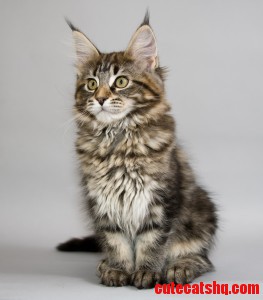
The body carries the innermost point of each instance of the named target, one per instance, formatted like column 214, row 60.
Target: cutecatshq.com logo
column 213, row 288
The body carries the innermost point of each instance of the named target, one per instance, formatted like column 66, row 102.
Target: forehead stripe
column 95, row 71
column 115, row 70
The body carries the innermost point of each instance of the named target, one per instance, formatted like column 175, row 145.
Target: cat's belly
column 124, row 197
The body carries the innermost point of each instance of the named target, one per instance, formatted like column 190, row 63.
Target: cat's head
column 118, row 85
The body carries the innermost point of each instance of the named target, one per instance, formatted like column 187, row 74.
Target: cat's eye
column 92, row 84
column 121, row 82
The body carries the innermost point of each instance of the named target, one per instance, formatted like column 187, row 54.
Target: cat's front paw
column 112, row 277
column 143, row 279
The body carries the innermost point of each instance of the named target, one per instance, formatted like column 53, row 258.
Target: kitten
column 151, row 219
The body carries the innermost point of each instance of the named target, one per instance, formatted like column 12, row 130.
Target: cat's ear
column 85, row 49
column 142, row 47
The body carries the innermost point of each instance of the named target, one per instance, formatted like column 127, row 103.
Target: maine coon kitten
column 151, row 219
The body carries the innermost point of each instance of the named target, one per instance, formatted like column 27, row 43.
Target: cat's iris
column 121, row 82
column 92, row 84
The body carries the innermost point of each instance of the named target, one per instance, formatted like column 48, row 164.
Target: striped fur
column 151, row 218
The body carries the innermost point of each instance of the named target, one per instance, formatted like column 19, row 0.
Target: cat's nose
column 101, row 100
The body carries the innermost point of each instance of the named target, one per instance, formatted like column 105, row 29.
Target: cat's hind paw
column 181, row 275
column 145, row 279
column 187, row 269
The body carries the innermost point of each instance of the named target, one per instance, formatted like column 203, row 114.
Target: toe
column 145, row 279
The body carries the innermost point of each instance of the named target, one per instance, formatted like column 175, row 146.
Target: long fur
column 151, row 218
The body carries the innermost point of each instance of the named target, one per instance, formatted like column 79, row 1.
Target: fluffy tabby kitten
column 151, row 219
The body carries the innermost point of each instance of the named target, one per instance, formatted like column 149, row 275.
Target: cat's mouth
column 108, row 115
column 110, row 110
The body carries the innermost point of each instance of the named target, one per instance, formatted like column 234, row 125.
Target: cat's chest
column 118, row 181
column 124, row 197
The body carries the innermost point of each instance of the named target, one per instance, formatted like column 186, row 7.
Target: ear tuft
column 85, row 49
column 146, row 20
column 72, row 27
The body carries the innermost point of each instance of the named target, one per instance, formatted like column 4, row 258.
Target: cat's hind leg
column 186, row 261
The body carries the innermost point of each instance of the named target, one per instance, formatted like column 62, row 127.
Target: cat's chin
column 107, row 117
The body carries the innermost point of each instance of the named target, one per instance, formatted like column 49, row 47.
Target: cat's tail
column 86, row 244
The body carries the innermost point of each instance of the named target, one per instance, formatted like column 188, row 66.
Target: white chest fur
column 125, row 198
column 118, row 183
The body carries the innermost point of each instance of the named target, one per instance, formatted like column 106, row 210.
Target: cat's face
column 113, row 86
column 107, row 92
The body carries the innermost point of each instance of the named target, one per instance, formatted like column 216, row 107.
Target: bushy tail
column 86, row 244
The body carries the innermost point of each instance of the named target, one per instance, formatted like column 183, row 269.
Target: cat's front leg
column 116, row 269
column 112, row 277
column 150, row 252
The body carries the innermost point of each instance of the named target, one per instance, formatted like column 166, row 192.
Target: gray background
column 214, row 51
